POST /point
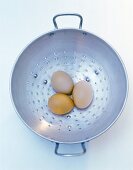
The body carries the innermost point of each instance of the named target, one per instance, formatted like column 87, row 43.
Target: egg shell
column 60, row 104
column 62, row 82
column 82, row 94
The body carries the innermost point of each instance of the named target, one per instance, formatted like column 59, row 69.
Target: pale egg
column 82, row 94
column 60, row 104
column 62, row 82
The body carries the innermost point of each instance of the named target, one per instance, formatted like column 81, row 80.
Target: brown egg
column 60, row 104
column 82, row 94
column 62, row 82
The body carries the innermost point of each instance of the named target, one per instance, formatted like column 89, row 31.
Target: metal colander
column 82, row 55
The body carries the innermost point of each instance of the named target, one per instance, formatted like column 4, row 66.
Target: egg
column 62, row 82
column 82, row 94
column 60, row 104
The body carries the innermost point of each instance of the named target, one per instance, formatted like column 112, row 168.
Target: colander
column 84, row 56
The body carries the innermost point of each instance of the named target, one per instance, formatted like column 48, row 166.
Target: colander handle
column 67, row 14
column 70, row 154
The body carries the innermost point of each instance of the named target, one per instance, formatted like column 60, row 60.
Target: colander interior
column 85, row 57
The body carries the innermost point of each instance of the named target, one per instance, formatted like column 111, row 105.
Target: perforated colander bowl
column 85, row 57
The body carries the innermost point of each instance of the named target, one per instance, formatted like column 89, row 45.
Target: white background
column 20, row 22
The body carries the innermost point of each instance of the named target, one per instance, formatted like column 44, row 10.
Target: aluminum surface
column 85, row 57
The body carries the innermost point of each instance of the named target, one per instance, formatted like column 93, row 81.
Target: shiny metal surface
column 68, row 14
column 70, row 154
column 83, row 56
